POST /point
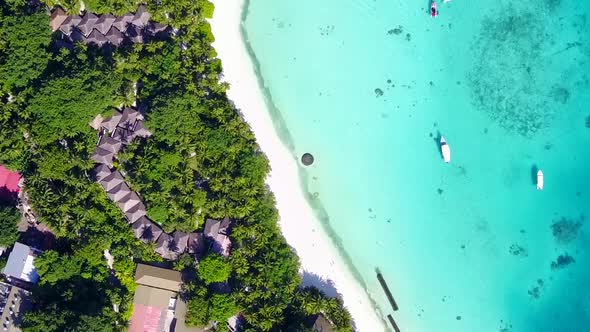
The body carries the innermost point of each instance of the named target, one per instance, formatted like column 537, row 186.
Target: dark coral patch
column 565, row 230
column 562, row 262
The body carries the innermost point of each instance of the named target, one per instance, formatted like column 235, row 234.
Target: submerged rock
column 396, row 31
column 562, row 261
column 517, row 250
column 535, row 292
column 565, row 230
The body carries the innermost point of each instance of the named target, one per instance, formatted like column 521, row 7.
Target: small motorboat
column 445, row 150
column 540, row 181
column 433, row 11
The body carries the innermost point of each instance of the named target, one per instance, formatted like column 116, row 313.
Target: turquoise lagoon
column 367, row 86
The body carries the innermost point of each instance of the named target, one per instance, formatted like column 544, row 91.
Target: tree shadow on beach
column 325, row 285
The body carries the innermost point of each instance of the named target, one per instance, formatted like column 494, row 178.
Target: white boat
column 540, row 181
column 445, row 149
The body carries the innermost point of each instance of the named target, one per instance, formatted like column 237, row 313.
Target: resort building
column 105, row 29
column 216, row 231
column 320, row 323
column 146, row 230
column 157, row 304
column 155, row 299
column 14, row 301
column 118, row 130
column 9, row 182
column 20, row 267
column 196, row 244
column 164, row 247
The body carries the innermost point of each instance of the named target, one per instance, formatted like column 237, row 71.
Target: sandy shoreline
column 298, row 223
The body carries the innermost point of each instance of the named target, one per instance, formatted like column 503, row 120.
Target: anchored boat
column 445, row 150
column 540, row 181
column 433, row 10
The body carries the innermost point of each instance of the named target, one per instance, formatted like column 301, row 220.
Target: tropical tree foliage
column 9, row 218
column 214, row 268
column 23, row 49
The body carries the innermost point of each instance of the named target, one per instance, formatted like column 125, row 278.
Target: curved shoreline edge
column 299, row 213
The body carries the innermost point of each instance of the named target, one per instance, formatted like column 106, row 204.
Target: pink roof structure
column 9, row 180
column 145, row 318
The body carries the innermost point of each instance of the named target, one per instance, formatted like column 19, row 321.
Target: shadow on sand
column 325, row 285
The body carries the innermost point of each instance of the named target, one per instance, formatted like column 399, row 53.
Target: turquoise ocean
column 367, row 87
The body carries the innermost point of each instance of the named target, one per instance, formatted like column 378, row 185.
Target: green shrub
column 214, row 268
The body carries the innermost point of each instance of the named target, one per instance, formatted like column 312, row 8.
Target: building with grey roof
column 102, row 156
column 158, row 277
column 87, row 23
column 139, row 226
column 155, row 28
column 125, row 126
column 217, row 233
column 109, row 144
column 100, row 171
column 104, row 23
column 114, row 36
column 135, row 34
column 121, row 22
column 155, row 299
column 112, row 180
column 146, row 230
column 135, row 212
column 96, row 37
column 140, row 130
column 106, row 28
column 129, row 201
column 126, row 136
column 68, row 25
column 196, row 244
column 319, row 323
column 163, row 247
column 221, row 245
column 14, row 302
column 128, row 118
column 111, row 123
column 20, row 263
column 119, row 193
column 141, row 17
column 57, row 17
column 77, row 36
column 214, row 227
column 180, row 242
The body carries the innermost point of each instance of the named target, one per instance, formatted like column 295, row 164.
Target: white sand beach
column 297, row 220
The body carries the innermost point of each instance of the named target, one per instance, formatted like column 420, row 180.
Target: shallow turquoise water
column 467, row 246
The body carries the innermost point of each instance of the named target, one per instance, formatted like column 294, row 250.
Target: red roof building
column 9, row 180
